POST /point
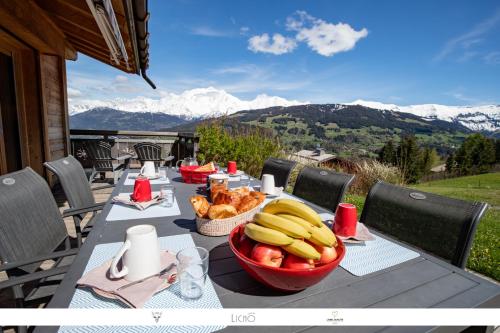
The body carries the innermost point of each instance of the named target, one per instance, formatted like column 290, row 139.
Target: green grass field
column 485, row 254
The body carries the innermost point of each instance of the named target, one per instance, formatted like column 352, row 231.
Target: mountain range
column 211, row 102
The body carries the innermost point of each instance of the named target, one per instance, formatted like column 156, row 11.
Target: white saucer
column 237, row 174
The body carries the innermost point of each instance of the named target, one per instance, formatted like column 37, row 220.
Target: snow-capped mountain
column 476, row 118
column 195, row 103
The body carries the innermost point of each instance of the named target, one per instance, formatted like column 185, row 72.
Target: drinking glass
column 167, row 192
column 163, row 173
column 245, row 181
column 192, row 270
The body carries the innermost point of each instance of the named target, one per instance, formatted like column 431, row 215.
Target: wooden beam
column 32, row 25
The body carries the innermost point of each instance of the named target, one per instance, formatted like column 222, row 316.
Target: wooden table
column 424, row 282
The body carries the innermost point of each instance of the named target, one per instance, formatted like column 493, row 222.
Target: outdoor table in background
column 423, row 282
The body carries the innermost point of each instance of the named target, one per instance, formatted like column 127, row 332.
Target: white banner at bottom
column 250, row 317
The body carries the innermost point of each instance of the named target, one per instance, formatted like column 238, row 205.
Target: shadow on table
column 225, row 271
column 188, row 224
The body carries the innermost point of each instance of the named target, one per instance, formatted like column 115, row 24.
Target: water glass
column 163, row 173
column 167, row 192
column 245, row 181
column 192, row 270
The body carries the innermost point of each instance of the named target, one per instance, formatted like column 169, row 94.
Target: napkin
column 362, row 235
column 126, row 200
column 134, row 296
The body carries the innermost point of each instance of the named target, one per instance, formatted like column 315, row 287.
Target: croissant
column 228, row 198
column 258, row 195
column 200, row 205
column 221, row 212
column 247, row 202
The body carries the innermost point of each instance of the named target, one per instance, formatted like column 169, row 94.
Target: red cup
column 142, row 189
column 346, row 219
column 231, row 167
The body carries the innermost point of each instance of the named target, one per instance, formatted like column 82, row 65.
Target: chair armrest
column 82, row 210
column 103, row 187
column 123, row 157
column 14, row 281
column 53, row 255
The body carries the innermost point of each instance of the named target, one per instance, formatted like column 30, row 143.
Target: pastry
column 200, row 205
column 221, row 212
column 247, row 202
column 258, row 195
column 228, row 197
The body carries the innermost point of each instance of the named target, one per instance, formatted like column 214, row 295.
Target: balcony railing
column 178, row 144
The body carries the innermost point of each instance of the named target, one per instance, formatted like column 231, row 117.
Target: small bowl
column 284, row 279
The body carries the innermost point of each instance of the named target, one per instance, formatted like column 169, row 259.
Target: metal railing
column 178, row 144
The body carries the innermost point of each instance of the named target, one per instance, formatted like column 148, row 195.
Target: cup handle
column 113, row 270
column 142, row 170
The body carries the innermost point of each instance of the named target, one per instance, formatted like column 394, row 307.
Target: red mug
column 142, row 189
column 346, row 219
column 231, row 167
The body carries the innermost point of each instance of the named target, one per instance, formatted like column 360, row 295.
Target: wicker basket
column 222, row 227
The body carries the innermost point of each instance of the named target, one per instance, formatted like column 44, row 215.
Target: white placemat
column 372, row 256
column 124, row 212
column 169, row 298
column 132, row 176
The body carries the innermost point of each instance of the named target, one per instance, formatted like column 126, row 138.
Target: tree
column 408, row 156
column 497, row 148
column 475, row 155
column 429, row 158
column 387, row 154
column 450, row 163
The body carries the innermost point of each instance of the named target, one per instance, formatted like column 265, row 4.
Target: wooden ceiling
column 74, row 19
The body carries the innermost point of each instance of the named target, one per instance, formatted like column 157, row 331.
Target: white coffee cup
column 267, row 184
column 140, row 252
column 148, row 169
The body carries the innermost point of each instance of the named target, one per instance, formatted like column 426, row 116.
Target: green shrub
column 249, row 146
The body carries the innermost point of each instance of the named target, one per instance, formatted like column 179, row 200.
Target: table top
column 423, row 282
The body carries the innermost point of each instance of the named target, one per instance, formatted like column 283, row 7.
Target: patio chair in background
column 147, row 151
column 280, row 169
column 31, row 231
column 77, row 190
column 325, row 188
column 442, row 226
column 102, row 161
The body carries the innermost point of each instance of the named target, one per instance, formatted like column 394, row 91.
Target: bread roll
column 200, row 205
column 221, row 212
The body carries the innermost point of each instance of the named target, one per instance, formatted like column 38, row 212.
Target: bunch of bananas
column 287, row 223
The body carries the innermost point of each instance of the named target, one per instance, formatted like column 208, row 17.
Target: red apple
column 294, row 262
column 245, row 245
column 268, row 255
column 328, row 254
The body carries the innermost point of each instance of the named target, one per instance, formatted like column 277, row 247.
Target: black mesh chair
column 31, row 231
column 280, row 169
column 442, row 226
column 325, row 188
column 77, row 190
column 147, row 151
column 102, row 161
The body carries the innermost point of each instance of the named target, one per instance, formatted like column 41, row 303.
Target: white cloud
column 278, row 45
column 244, row 30
column 467, row 40
column 210, row 32
column 323, row 37
column 74, row 92
column 121, row 78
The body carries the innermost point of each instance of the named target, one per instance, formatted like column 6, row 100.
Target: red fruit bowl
column 190, row 176
column 284, row 279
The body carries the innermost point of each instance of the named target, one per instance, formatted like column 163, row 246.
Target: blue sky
column 402, row 52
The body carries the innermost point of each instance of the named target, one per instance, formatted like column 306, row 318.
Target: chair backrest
column 73, row 181
column 30, row 222
column 439, row 225
column 280, row 169
column 147, row 151
column 100, row 154
column 325, row 188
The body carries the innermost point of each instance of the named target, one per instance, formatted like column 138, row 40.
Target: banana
column 266, row 235
column 280, row 224
column 302, row 249
column 293, row 207
column 322, row 236
column 306, row 225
